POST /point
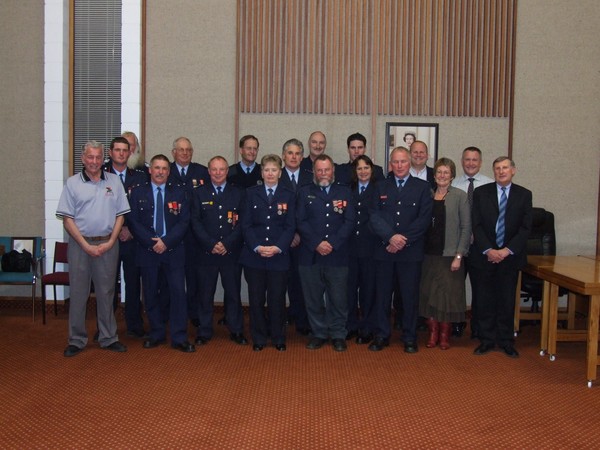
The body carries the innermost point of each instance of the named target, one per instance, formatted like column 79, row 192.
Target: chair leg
column 55, row 307
column 43, row 304
column 33, row 302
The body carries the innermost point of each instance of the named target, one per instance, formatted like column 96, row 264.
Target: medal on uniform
column 229, row 216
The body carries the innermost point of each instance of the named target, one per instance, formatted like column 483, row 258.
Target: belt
column 97, row 238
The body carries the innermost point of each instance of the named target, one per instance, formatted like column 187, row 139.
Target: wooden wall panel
column 395, row 57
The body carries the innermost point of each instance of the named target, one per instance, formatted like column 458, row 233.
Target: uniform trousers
column 231, row 280
column 131, row 278
column 297, row 309
column 102, row 270
column 177, row 311
column 408, row 276
column 266, row 287
column 361, row 291
column 325, row 291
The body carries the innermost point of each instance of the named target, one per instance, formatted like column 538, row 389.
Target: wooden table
column 578, row 274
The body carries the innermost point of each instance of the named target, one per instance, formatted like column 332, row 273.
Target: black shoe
column 258, row 347
column 280, row 347
column 238, row 338
column 457, row 329
column 411, row 347
column 379, row 344
column 315, row 343
column 116, row 347
column 72, row 350
column 152, row 343
column 303, row 331
column 195, row 322
column 351, row 334
column 510, row 351
column 339, row 345
column 185, row 347
column 222, row 321
column 140, row 334
column 364, row 339
column 96, row 336
column 200, row 340
column 483, row 349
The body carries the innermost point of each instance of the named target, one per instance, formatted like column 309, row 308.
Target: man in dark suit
column 246, row 172
column 317, row 143
column 119, row 153
column 189, row 175
column 400, row 217
column 419, row 154
column 215, row 223
column 357, row 146
column 294, row 177
column 159, row 232
column 501, row 226
column 325, row 218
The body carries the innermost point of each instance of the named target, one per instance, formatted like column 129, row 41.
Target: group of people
column 338, row 240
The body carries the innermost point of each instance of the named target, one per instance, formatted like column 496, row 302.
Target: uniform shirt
column 93, row 205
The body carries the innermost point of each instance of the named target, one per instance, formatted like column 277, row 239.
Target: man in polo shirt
column 92, row 207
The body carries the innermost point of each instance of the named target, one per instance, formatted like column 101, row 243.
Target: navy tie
column 500, row 228
column 470, row 191
column 362, row 189
column 219, row 190
column 160, row 213
column 400, row 183
column 294, row 184
column 270, row 195
column 182, row 172
column 122, row 178
column 248, row 170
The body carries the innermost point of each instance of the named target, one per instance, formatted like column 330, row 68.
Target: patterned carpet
column 226, row 396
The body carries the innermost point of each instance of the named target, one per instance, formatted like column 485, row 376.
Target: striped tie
column 502, row 214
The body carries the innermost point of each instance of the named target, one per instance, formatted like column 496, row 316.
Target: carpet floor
column 226, row 396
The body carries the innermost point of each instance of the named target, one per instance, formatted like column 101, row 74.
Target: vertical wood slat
column 427, row 57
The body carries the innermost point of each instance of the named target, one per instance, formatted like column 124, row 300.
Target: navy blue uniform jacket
column 241, row 179
column 216, row 218
column 406, row 212
column 264, row 224
column 328, row 218
column 141, row 224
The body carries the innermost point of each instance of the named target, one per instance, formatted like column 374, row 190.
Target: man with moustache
column 159, row 221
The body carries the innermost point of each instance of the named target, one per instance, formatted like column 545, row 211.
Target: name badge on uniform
column 109, row 192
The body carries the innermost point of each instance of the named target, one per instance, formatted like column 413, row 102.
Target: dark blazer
column 328, row 218
column 430, row 178
column 237, row 176
column 216, row 218
column 141, row 224
column 133, row 179
column 363, row 241
column 517, row 223
column 264, row 224
column 343, row 173
column 304, row 178
column 195, row 176
column 406, row 212
column 307, row 164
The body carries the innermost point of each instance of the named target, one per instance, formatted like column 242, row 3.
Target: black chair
column 542, row 241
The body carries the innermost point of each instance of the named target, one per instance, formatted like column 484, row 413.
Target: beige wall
column 191, row 91
column 557, row 114
column 22, row 117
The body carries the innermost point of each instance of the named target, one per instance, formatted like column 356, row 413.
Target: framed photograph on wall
column 402, row 134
